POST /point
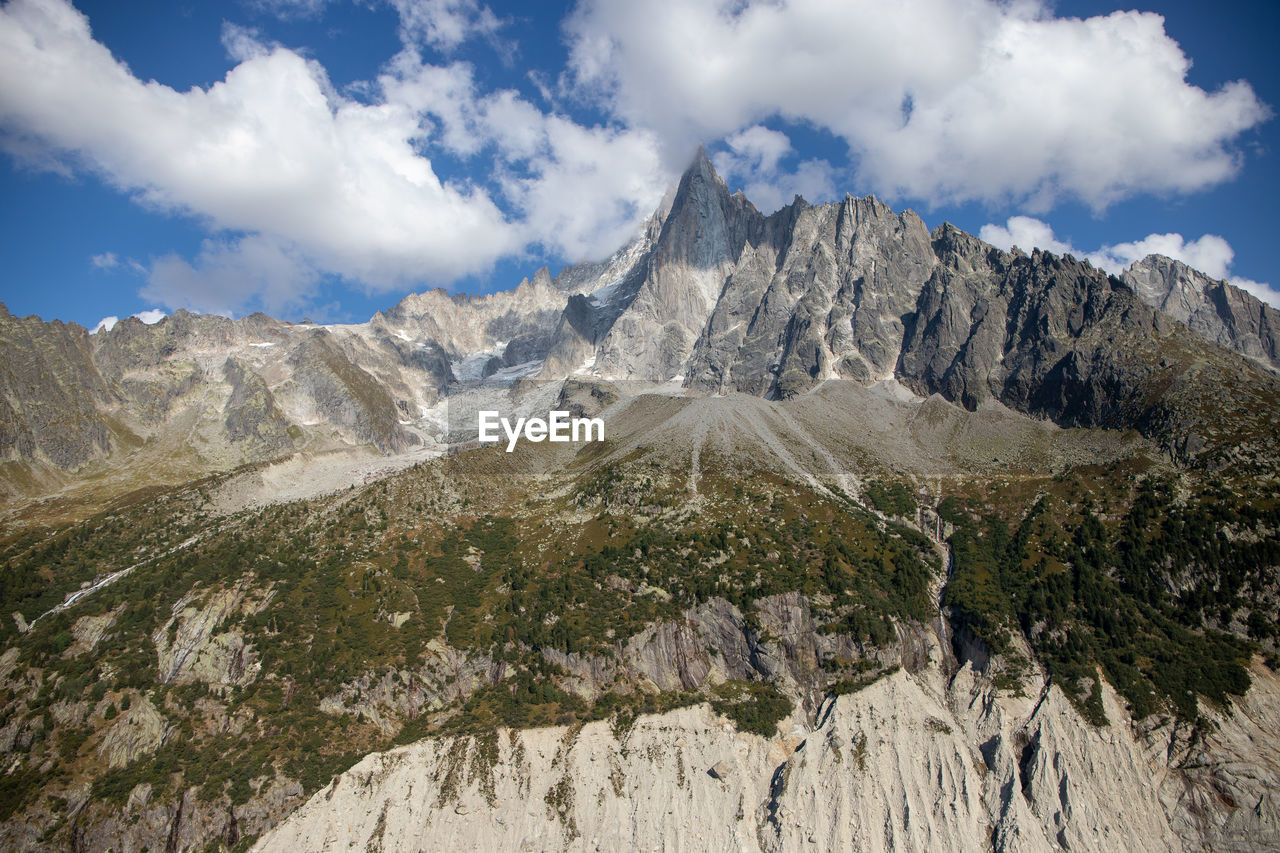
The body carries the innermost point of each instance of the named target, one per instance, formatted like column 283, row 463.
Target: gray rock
column 346, row 394
column 50, row 390
column 252, row 415
column 1217, row 311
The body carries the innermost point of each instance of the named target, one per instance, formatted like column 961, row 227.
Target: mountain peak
column 702, row 170
column 707, row 225
column 1214, row 309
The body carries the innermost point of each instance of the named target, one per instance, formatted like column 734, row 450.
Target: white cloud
column 444, row 24
column 288, row 9
column 584, row 190
column 941, row 100
column 151, row 316
column 269, row 150
column 244, row 43
column 105, row 261
column 1259, row 289
column 1208, row 253
column 228, row 275
column 580, row 191
column 756, row 148
column 1026, row 233
column 752, row 162
column 318, row 182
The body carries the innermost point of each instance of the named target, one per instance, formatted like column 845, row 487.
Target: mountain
column 1215, row 310
column 712, row 296
column 895, row 540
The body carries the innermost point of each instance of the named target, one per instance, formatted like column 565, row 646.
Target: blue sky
column 319, row 158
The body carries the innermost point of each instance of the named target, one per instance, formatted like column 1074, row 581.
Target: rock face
column 1055, row 338
column 984, row 770
column 344, row 394
column 711, row 294
column 189, row 650
column 1046, row 335
column 824, row 297
column 1215, row 310
column 49, row 392
column 725, row 298
column 138, row 731
column 253, row 417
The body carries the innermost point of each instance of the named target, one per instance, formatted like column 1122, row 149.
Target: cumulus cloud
column 579, row 191
column 319, row 182
column 940, row 100
column 105, row 261
column 151, row 316
column 270, row 149
column 444, row 24
column 1027, row 233
column 229, row 274
column 752, row 160
column 757, row 148
column 1208, row 253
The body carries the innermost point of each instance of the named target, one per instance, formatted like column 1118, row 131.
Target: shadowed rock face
column 346, row 395
column 253, row 417
column 1055, row 338
column 50, row 391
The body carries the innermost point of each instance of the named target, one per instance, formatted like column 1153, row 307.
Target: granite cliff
column 712, row 296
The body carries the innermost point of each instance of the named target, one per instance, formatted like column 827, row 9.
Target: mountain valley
column 895, row 541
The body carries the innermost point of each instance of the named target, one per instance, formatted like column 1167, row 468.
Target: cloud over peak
column 424, row 175
column 940, row 100
column 1209, row 253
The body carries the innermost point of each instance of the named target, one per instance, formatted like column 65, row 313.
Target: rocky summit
column 894, row 541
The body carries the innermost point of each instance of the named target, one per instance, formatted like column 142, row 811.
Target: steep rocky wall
column 1215, row 310
column 913, row 762
column 49, row 391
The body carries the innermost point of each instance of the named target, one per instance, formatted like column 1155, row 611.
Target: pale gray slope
column 914, row 762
